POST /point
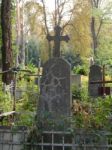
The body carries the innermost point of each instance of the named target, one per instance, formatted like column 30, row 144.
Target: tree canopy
column 88, row 24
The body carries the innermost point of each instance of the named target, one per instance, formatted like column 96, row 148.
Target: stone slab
column 95, row 74
column 55, row 93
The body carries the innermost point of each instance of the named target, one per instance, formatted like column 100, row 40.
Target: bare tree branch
column 101, row 22
column 46, row 26
column 45, row 17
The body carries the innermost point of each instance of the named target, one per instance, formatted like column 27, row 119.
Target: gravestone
column 55, row 96
column 104, row 90
column 95, row 74
column 76, row 80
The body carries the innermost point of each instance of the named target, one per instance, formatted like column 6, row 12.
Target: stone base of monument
column 49, row 123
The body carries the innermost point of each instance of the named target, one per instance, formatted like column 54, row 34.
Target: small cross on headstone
column 57, row 38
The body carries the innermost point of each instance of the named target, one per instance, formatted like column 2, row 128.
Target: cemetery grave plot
column 55, row 100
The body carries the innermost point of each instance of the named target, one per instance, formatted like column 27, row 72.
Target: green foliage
column 31, row 67
column 26, row 102
column 80, row 29
column 33, row 18
column 92, row 114
column 89, row 113
column 82, row 70
column 104, row 50
column 80, row 93
column 5, row 101
column 27, row 105
column 76, row 93
column 72, row 58
column 32, row 52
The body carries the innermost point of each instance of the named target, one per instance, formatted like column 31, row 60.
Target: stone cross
column 57, row 38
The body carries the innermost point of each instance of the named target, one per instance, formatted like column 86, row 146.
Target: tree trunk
column 7, row 58
column 18, row 30
column 94, row 37
column 22, row 38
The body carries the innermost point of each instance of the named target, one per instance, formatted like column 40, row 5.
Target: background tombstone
column 55, row 96
column 95, row 74
column 76, row 80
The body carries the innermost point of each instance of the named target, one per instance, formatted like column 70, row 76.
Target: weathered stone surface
column 76, row 80
column 55, row 97
column 94, row 75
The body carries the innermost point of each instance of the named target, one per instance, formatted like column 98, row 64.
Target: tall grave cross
column 57, row 38
column 103, row 82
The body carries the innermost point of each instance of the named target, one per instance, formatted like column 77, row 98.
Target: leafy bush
column 76, row 93
column 73, row 59
column 89, row 113
column 80, row 70
column 80, row 93
column 27, row 93
column 92, row 115
column 32, row 52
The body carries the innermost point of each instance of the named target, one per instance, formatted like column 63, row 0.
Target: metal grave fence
column 12, row 139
